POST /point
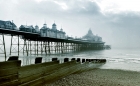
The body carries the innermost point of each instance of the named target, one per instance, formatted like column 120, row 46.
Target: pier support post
column 11, row 44
column 49, row 47
column 16, row 44
column 26, row 47
column 4, row 46
column 45, row 47
column 61, row 47
column 36, row 47
column 55, row 47
column 41, row 48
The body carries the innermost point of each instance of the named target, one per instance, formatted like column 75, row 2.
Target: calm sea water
column 125, row 59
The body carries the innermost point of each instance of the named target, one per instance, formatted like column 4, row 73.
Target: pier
column 14, row 72
column 27, row 43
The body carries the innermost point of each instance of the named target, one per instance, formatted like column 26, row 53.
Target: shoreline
column 100, row 77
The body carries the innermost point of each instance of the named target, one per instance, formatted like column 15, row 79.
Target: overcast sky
column 116, row 21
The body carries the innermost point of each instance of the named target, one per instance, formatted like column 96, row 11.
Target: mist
column 120, row 29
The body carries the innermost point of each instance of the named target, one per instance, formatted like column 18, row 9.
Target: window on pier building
column 44, row 31
column 37, row 28
column 54, row 26
column 47, row 33
column 8, row 25
column 2, row 26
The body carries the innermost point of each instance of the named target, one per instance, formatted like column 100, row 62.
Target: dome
column 90, row 32
column 36, row 26
column 45, row 25
column 89, row 35
column 61, row 29
column 54, row 24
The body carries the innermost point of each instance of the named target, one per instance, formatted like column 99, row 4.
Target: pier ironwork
column 27, row 43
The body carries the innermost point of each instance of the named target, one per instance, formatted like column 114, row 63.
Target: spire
column 36, row 25
column 26, row 23
column 61, row 28
column 45, row 25
column 44, row 21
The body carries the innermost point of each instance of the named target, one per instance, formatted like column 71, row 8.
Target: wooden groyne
column 13, row 74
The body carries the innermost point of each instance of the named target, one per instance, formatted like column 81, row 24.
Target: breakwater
column 13, row 74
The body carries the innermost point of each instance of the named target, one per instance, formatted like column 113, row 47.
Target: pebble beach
column 100, row 77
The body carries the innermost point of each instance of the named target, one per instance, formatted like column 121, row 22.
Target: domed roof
column 90, row 32
column 61, row 29
column 54, row 24
column 36, row 26
column 44, row 25
column 89, row 35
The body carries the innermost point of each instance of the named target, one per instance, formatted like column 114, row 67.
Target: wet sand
column 100, row 77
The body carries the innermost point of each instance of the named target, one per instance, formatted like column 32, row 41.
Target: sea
column 117, row 58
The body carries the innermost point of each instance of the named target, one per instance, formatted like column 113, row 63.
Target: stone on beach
column 100, row 77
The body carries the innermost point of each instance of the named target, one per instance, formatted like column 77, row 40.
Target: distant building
column 29, row 28
column 91, row 37
column 47, row 32
column 62, row 34
column 98, row 38
column 37, row 28
column 68, row 37
column 7, row 25
column 44, row 31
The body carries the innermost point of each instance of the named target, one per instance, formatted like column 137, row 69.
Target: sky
column 116, row 21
